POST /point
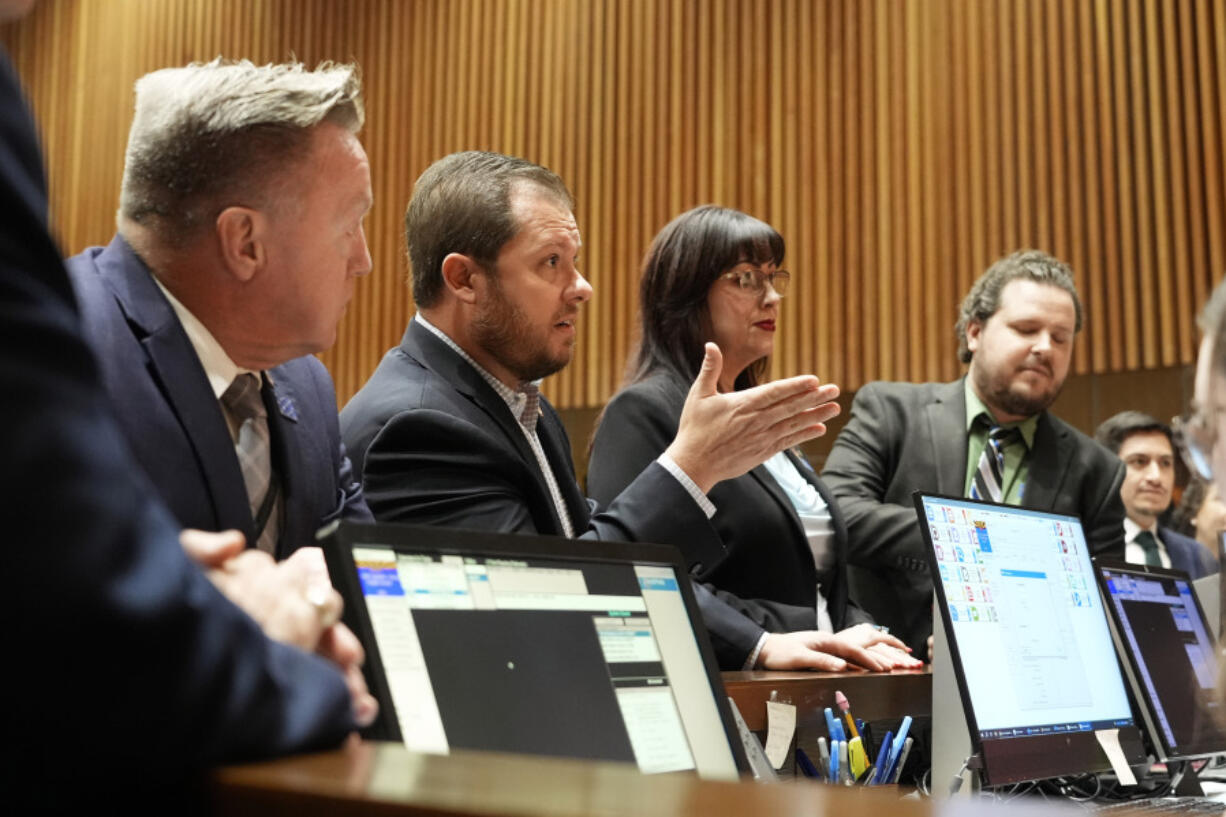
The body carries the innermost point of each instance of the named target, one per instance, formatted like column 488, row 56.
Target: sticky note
column 780, row 726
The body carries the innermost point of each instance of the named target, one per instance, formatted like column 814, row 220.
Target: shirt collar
column 976, row 407
column 1131, row 529
column 526, row 396
column 218, row 366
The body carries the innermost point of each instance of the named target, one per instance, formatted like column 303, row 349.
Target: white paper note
column 780, row 726
column 1109, row 739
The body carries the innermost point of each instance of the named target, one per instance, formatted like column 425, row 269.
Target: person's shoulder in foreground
column 135, row 672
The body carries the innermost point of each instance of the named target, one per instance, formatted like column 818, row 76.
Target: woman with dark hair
column 712, row 274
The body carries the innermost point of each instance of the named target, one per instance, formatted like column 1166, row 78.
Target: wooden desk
column 386, row 779
column 873, row 695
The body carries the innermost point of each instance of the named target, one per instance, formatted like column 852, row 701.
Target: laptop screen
column 538, row 645
column 1029, row 637
column 1171, row 653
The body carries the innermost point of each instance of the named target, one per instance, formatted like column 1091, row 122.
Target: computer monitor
column 1040, row 683
column 1170, row 657
column 534, row 644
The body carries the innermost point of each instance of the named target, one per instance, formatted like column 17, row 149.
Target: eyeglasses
column 755, row 280
column 1195, row 436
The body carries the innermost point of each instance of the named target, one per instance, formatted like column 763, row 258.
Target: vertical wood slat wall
column 899, row 147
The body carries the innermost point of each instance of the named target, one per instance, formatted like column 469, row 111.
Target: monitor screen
column 1171, row 657
column 1029, row 638
column 508, row 643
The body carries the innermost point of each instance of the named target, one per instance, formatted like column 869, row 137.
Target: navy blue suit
column 127, row 669
column 1187, row 554
column 176, row 427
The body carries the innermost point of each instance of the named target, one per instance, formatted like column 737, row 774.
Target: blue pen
column 806, row 765
column 834, row 762
column 830, row 724
column 882, row 757
column 899, row 740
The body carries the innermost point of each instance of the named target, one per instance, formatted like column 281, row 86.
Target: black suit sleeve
column 636, row 427
column 859, row 470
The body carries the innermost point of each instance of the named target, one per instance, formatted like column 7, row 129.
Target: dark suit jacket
column 903, row 437
column 768, row 573
column 176, row 427
column 436, row 445
column 1187, row 554
column 130, row 667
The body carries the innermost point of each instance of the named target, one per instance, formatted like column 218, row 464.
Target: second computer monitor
column 1041, row 686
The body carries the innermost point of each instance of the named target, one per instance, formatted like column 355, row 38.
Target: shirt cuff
column 687, row 483
column 752, row 661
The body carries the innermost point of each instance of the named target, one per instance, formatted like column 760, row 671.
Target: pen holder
column 919, row 759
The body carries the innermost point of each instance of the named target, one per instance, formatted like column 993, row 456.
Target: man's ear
column 973, row 330
column 241, row 233
column 459, row 276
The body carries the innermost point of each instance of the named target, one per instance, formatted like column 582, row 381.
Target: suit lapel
column 777, row 493
column 1046, row 467
column 431, row 352
column 557, row 453
column 174, row 365
column 946, row 416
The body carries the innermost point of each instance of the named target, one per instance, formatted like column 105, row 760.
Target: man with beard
column 987, row 435
column 451, row 428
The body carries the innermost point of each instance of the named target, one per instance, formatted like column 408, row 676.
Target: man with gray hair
column 987, row 436
column 240, row 238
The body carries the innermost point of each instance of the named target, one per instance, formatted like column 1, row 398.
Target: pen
column 906, row 748
column 823, row 755
column 834, row 762
column 830, row 724
column 845, row 706
column 844, row 762
column 899, row 739
column 806, row 765
column 882, row 757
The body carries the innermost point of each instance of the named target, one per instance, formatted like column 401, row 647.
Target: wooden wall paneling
column 902, row 318
column 1197, row 240
column 852, row 215
column 1155, row 290
column 899, row 147
column 1175, row 277
column 1212, row 130
column 913, row 304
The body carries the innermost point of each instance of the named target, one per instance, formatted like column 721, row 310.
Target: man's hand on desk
column 292, row 601
column 863, row 645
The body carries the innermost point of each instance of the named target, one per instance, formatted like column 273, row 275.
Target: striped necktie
column 989, row 480
column 246, row 405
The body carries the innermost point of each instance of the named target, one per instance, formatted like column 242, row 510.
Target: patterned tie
column 246, row 405
column 989, row 473
column 1150, row 545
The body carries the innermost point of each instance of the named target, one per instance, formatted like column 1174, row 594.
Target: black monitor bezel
column 1018, row 759
column 339, row 538
column 1141, row 699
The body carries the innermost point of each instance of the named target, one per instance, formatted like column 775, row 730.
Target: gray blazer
column 904, row 437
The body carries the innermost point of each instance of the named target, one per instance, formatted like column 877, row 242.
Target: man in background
column 240, row 239
column 988, row 435
column 1147, row 449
